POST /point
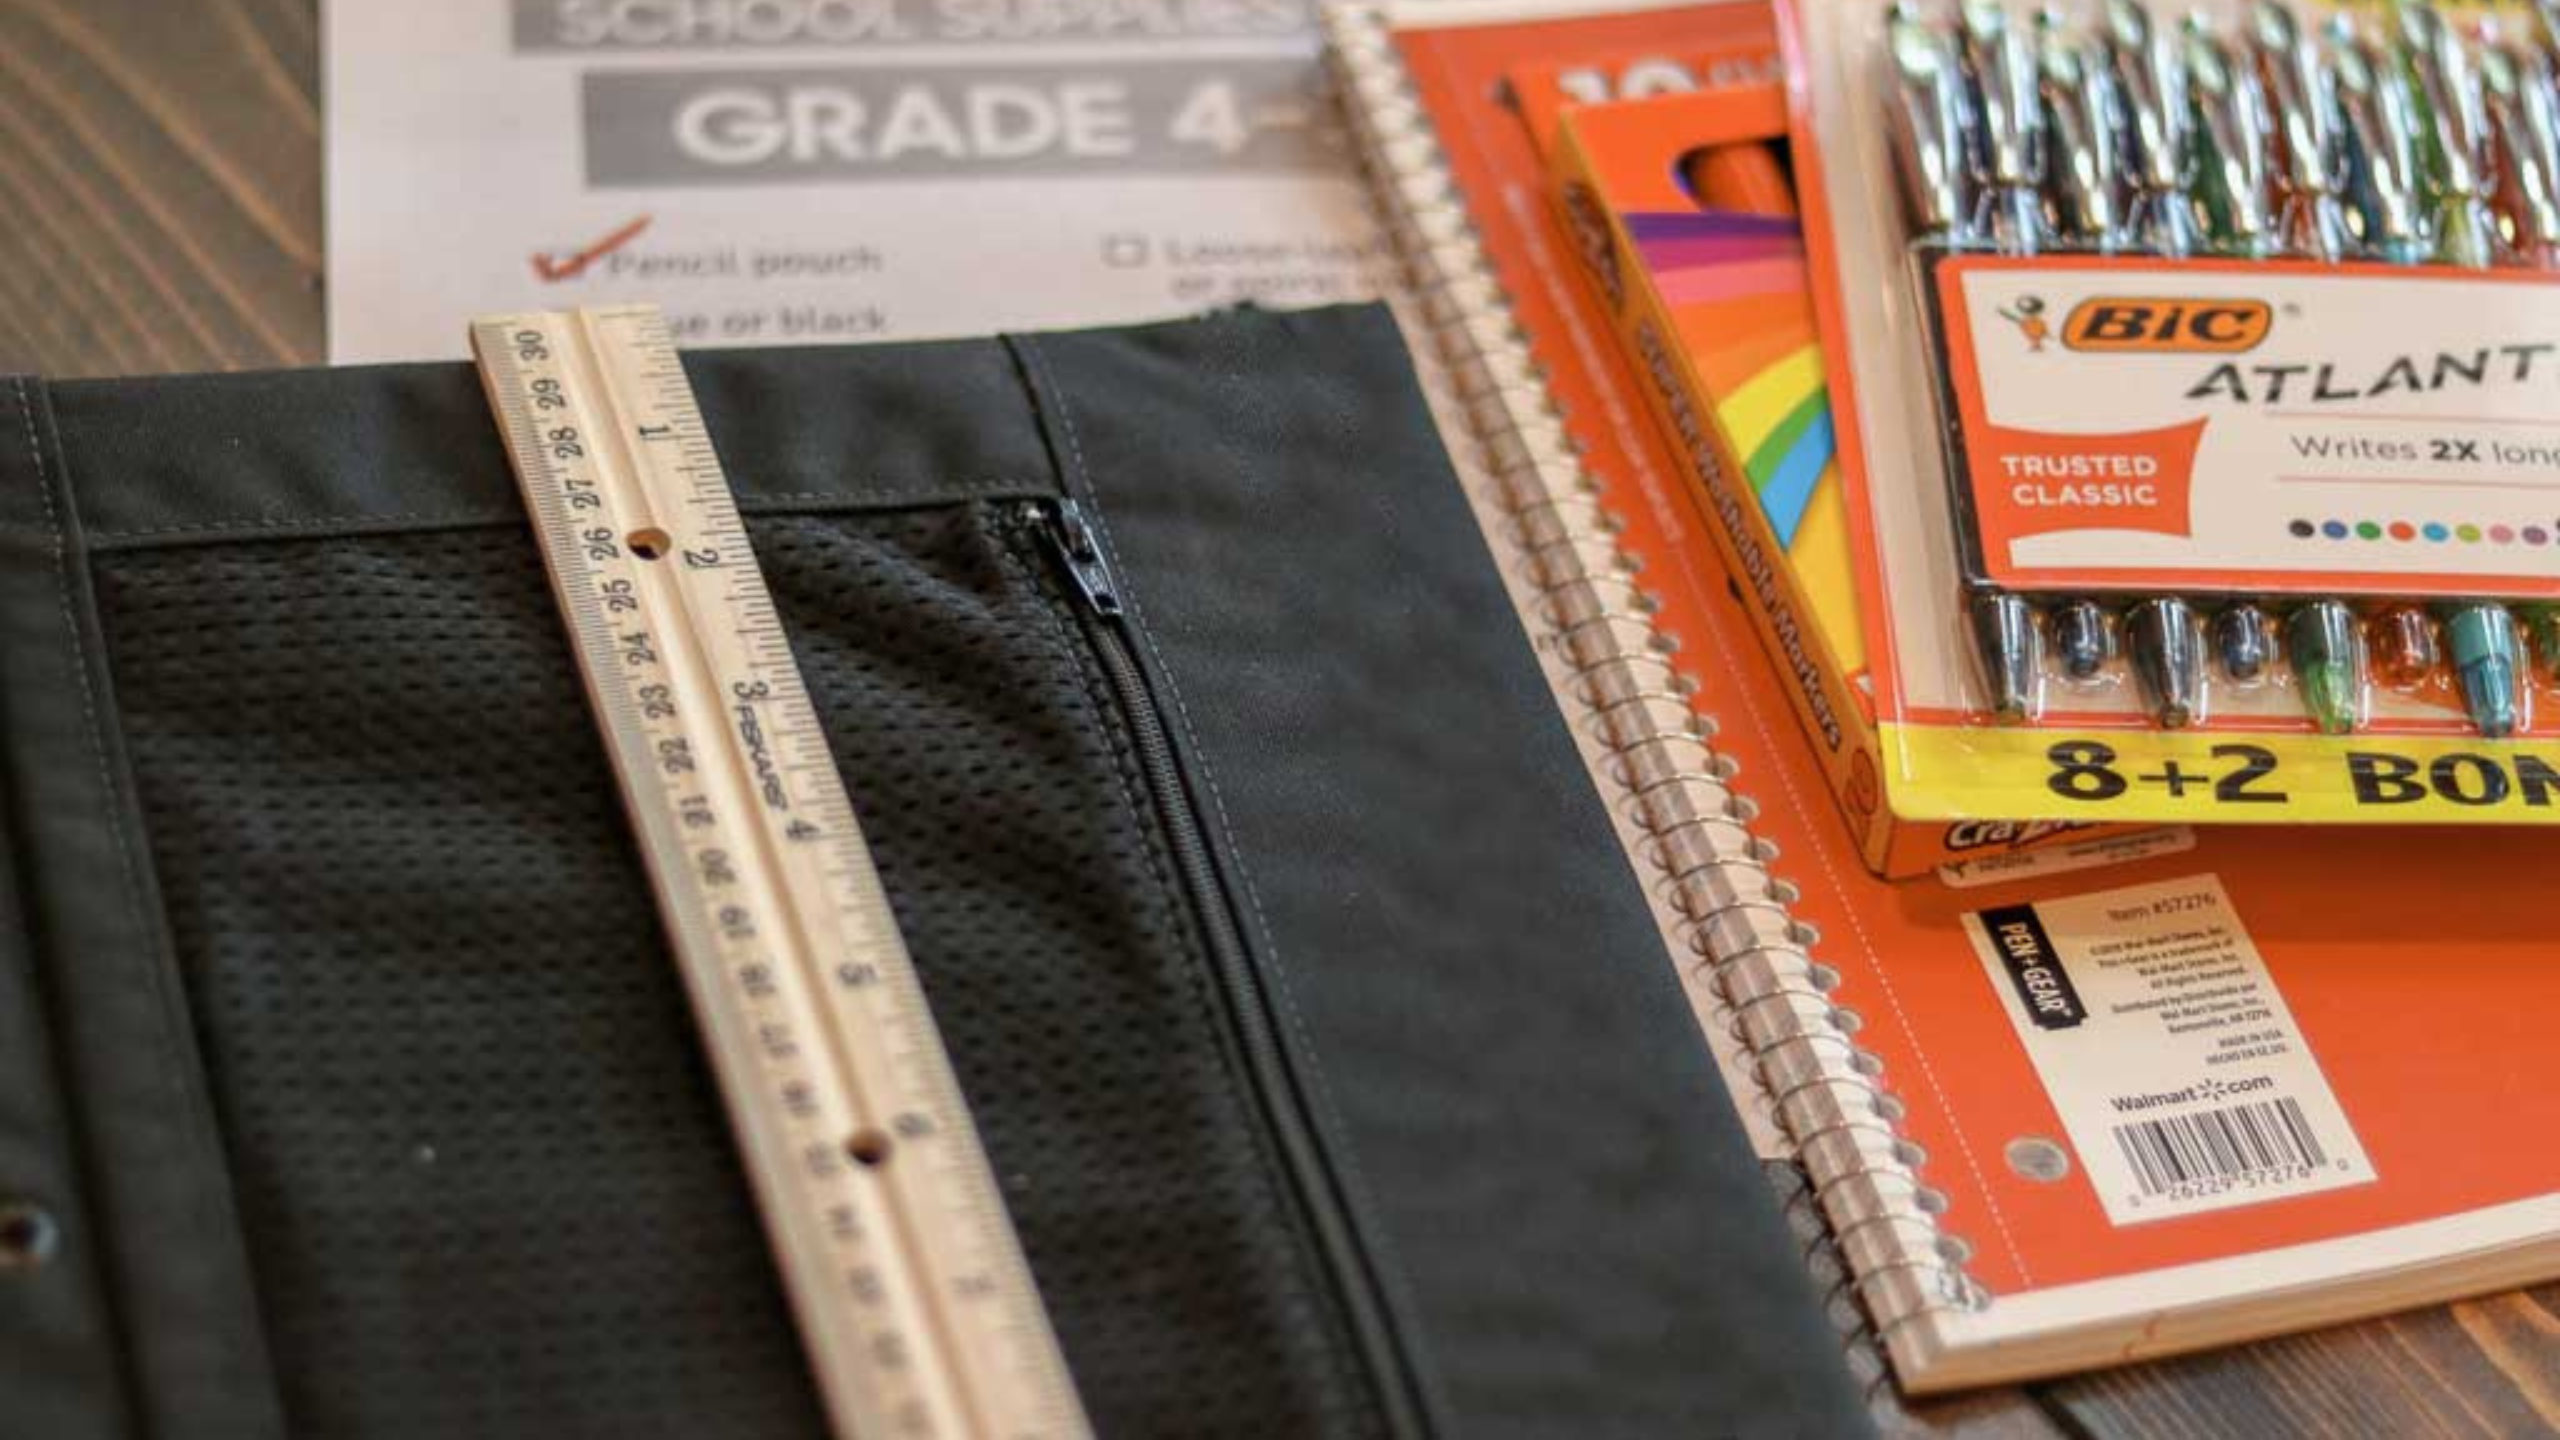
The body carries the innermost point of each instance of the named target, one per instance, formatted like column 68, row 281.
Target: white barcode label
column 2246, row 1144
column 2173, row 1063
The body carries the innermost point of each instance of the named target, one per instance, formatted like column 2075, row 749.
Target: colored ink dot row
column 2433, row 530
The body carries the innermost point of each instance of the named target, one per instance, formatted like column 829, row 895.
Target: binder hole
column 1764, row 851
column 1953, row 1250
column 28, row 1235
column 1743, row 809
column 1805, row 934
column 1846, row 1020
column 1727, row 768
column 650, row 543
column 1929, row 1200
column 1912, row 1156
column 1866, row 1064
column 1785, row 892
column 869, row 1148
column 2035, row 1157
column 1889, row 1108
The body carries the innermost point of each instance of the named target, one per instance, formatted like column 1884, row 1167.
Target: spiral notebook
column 2056, row 1108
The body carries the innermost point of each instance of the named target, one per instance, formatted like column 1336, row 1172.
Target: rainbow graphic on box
column 1736, row 285
column 1732, row 288
column 1684, row 210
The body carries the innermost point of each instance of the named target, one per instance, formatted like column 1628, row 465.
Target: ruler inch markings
column 914, row 1301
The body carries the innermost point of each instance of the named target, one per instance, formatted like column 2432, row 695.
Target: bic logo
column 2117, row 325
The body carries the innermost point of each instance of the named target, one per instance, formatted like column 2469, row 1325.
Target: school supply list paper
column 779, row 172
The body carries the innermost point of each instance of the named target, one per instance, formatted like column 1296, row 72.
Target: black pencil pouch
column 1318, row 1029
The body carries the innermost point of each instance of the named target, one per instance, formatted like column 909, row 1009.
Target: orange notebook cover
column 2067, row 1106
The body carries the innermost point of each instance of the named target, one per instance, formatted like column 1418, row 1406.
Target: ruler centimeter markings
column 909, row 1285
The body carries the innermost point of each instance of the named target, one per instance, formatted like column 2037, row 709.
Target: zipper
column 1067, row 535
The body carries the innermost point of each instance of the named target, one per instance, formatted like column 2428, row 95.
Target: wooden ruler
column 918, row 1311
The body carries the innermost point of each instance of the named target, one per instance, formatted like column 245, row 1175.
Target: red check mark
column 569, row 267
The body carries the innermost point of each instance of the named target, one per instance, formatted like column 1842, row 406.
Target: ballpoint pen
column 2524, row 113
column 2456, row 155
column 1936, row 134
column 2086, row 178
column 2309, row 141
column 2010, row 156
column 2236, row 139
column 2233, row 134
column 1930, row 132
column 2323, row 640
column 2385, row 125
column 2381, row 167
column 2523, row 89
column 2151, row 72
column 2086, row 167
column 2009, row 115
column 2163, row 637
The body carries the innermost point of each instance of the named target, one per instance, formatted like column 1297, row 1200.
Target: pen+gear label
column 2177, row 1069
column 2254, row 426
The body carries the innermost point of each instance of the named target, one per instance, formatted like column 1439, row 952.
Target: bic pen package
column 2197, row 386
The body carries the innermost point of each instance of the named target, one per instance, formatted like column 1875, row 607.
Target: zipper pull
column 1069, row 537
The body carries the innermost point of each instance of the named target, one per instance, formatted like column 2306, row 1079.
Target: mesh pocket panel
column 488, row 1186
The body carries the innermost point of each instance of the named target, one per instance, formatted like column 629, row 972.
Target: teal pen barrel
column 2488, row 660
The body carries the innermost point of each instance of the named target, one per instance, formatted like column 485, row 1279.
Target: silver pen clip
column 2455, row 140
column 1930, row 128
column 2085, row 120
column 2524, row 106
column 2382, row 156
column 2310, row 132
column 2234, row 144
column 2151, row 69
column 2009, row 106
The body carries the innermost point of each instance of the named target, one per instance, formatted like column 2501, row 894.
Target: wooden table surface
column 160, row 210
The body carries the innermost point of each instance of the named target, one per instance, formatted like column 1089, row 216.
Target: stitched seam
column 58, row 547
column 954, row 491
column 250, row 525
column 1285, row 1000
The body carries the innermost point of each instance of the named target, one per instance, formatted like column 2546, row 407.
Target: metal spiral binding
column 1775, row 1001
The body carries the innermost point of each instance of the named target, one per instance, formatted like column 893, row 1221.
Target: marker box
column 1681, row 208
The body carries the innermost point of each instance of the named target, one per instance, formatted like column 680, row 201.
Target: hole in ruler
column 651, row 543
column 868, row 1147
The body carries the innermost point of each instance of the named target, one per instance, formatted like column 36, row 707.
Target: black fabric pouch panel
column 1431, row 1148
